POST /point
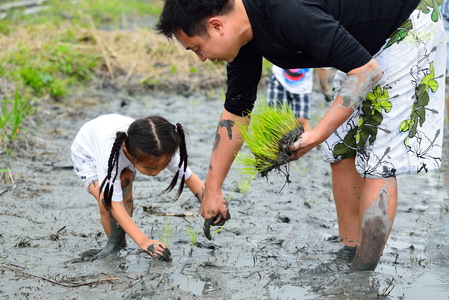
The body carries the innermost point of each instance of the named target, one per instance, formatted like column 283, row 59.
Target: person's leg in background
column 300, row 105
column 323, row 77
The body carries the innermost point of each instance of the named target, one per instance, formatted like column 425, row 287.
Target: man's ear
column 216, row 25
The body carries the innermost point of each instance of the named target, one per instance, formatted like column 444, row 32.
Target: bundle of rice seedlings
column 269, row 136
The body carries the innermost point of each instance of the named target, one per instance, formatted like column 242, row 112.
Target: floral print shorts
column 398, row 129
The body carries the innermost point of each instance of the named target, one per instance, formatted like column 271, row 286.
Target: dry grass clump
column 141, row 57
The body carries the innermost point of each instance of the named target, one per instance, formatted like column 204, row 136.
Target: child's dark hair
column 154, row 136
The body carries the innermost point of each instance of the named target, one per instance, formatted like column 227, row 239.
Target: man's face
column 218, row 46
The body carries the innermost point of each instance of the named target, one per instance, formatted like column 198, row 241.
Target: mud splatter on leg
column 376, row 224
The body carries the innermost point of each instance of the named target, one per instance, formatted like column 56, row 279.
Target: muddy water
column 279, row 244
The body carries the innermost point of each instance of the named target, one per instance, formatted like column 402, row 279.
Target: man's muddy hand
column 217, row 220
column 161, row 253
column 214, row 210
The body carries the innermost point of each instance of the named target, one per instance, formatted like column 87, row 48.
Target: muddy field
column 279, row 244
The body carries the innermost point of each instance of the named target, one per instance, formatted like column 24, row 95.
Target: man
column 386, row 119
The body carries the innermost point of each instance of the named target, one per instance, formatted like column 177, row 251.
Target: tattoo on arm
column 228, row 124
column 216, row 141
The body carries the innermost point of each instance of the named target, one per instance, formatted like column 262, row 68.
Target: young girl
column 106, row 153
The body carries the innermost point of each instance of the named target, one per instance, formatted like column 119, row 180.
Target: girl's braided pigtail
column 182, row 161
column 107, row 183
column 183, row 157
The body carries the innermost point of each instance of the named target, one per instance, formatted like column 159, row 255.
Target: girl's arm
column 195, row 185
column 128, row 225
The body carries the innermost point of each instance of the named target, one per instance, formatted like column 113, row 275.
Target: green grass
column 104, row 13
column 49, row 54
column 12, row 113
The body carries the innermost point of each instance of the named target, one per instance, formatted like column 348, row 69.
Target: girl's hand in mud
column 304, row 144
column 214, row 210
column 160, row 251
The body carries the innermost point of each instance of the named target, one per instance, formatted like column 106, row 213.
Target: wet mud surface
column 280, row 243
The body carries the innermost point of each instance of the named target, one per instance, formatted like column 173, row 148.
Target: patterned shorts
column 277, row 94
column 398, row 128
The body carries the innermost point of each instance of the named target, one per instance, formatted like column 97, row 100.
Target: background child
column 108, row 150
column 294, row 87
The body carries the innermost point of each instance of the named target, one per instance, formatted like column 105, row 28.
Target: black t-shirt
column 344, row 34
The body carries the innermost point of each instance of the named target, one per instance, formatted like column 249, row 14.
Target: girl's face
column 153, row 165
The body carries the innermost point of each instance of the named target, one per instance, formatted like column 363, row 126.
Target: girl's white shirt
column 97, row 137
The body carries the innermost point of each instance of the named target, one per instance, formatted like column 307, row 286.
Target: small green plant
column 269, row 135
column 12, row 114
column 245, row 184
column 5, row 174
column 193, row 237
column 166, row 236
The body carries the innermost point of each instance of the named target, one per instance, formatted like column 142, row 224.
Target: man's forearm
column 358, row 84
column 227, row 143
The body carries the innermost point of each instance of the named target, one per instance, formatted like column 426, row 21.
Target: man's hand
column 214, row 210
column 218, row 220
column 304, row 144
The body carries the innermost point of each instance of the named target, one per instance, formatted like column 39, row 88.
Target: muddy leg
column 116, row 241
column 94, row 190
column 378, row 209
column 346, row 188
column 127, row 178
column 117, row 236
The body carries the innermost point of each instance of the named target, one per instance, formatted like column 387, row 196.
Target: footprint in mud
column 89, row 255
column 85, row 256
column 96, row 254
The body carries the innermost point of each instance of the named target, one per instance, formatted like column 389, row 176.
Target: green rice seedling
column 269, row 135
column 166, row 236
column 193, row 237
column 245, row 184
column 302, row 171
